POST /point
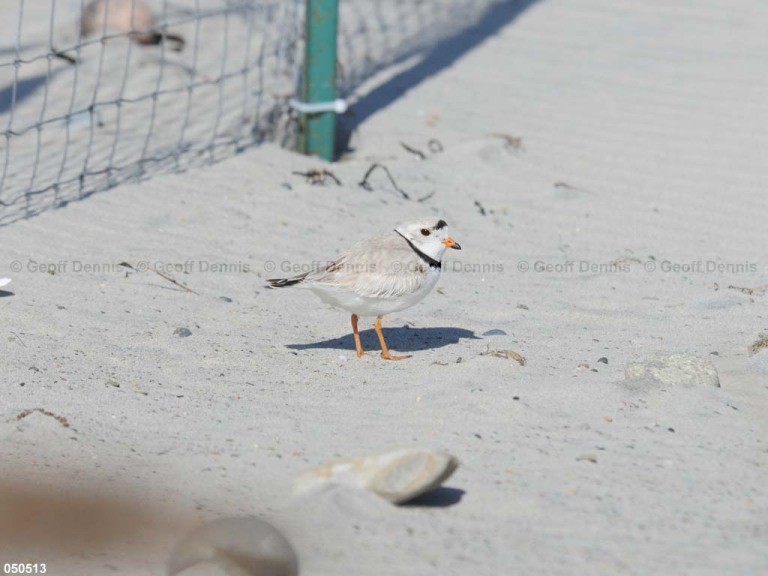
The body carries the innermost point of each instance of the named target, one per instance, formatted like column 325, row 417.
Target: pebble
column 397, row 476
column 182, row 332
column 494, row 332
column 242, row 546
column 226, row 299
column 674, row 369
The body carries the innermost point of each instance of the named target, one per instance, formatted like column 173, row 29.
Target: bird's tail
column 283, row 282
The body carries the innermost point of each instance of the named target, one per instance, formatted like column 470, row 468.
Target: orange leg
column 358, row 346
column 384, row 350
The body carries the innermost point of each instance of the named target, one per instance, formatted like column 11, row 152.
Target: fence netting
column 97, row 92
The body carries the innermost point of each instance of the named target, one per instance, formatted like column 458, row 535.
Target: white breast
column 343, row 297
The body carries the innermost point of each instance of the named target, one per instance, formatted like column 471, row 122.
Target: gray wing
column 383, row 267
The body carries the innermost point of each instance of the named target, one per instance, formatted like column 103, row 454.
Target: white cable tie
column 339, row 106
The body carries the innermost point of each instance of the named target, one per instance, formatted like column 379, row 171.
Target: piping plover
column 381, row 275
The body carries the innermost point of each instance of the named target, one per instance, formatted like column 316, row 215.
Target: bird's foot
column 388, row 356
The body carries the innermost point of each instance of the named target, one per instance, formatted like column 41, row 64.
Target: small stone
column 604, row 360
column 674, row 369
column 113, row 384
column 522, row 307
column 182, row 332
column 246, row 546
column 226, row 299
column 397, row 476
column 494, row 332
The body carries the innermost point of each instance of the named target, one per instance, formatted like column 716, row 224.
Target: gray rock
column 494, row 332
column 182, row 332
column 674, row 369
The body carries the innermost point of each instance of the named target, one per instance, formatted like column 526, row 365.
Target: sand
column 602, row 166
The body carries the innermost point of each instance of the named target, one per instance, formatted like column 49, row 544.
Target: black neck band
column 428, row 259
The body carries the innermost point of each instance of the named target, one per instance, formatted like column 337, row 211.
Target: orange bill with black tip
column 451, row 243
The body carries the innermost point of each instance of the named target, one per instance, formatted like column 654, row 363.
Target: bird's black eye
column 425, row 232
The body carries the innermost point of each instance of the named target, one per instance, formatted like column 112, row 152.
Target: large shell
column 397, row 476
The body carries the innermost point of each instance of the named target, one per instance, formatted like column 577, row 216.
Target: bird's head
column 429, row 235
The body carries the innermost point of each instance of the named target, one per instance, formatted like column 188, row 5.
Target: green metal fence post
column 318, row 133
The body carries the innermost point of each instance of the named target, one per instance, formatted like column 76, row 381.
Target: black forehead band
column 441, row 224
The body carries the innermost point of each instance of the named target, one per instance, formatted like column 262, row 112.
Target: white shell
column 396, row 476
